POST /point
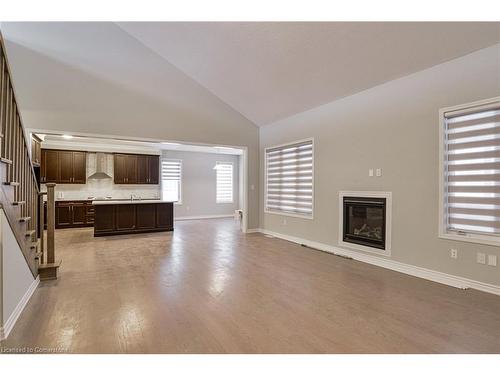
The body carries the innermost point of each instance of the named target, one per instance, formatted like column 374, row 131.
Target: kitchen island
column 113, row 217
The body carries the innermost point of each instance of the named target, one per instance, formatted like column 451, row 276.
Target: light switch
column 481, row 258
column 379, row 172
column 370, row 172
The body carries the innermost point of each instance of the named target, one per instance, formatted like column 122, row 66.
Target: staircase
column 20, row 197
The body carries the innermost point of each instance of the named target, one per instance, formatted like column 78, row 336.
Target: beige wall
column 393, row 126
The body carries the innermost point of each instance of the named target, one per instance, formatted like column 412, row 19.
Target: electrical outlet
column 454, row 253
column 378, row 172
column 481, row 258
column 284, row 221
column 370, row 172
column 492, row 260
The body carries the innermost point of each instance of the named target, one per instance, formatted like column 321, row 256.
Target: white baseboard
column 254, row 230
column 424, row 273
column 9, row 324
column 202, row 217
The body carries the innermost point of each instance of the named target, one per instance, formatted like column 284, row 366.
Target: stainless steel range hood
column 101, row 167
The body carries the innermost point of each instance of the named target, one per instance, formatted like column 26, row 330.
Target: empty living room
column 214, row 183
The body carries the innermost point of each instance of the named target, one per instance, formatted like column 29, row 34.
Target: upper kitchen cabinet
column 63, row 167
column 36, row 150
column 136, row 169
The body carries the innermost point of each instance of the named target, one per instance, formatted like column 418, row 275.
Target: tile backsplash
column 104, row 187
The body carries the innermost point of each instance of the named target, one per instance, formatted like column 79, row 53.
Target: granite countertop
column 130, row 201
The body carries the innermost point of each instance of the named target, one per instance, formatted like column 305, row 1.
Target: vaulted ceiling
column 264, row 71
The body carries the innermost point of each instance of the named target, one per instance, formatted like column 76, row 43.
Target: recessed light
column 171, row 143
column 67, row 136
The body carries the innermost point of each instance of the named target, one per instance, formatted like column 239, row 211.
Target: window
column 470, row 160
column 171, row 178
column 224, row 182
column 289, row 179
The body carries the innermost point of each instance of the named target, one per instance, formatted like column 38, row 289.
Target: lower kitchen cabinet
column 146, row 216
column 74, row 214
column 127, row 218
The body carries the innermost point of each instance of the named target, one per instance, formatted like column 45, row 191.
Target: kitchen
column 116, row 193
column 116, row 187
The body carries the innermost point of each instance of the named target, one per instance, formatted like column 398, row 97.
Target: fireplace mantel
column 386, row 251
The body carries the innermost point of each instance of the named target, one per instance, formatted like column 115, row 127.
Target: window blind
column 224, row 182
column 289, row 179
column 472, row 170
column 171, row 177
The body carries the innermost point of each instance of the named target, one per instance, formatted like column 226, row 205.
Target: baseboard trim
column 9, row 324
column 254, row 230
column 202, row 217
column 424, row 273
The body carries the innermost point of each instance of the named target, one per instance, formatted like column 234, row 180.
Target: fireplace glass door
column 364, row 221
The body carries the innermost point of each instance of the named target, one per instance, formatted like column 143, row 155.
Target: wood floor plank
column 207, row 288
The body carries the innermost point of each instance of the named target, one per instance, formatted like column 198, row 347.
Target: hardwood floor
column 207, row 288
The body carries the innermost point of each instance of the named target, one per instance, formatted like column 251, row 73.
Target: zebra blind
column 171, row 177
column 289, row 179
column 224, row 182
column 472, row 170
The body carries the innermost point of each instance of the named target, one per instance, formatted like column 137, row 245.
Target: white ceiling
column 188, row 74
column 269, row 71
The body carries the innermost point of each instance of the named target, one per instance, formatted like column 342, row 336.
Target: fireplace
column 364, row 221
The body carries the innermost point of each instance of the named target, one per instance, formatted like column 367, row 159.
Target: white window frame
column 232, row 182
column 442, row 229
column 301, row 216
column 179, row 202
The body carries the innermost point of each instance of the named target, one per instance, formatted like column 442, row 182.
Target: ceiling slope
column 269, row 70
column 96, row 78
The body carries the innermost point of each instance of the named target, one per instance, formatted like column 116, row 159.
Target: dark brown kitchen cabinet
column 153, row 169
column 164, row 215
column 36, row 151
column 127, row 218
column 63, row 215
column 125, row 169
column 50, row 166
column 79, row 167
column 74, row 214
column 146, row 216
column 104, row 220
column 136, row 169
column 63, row 167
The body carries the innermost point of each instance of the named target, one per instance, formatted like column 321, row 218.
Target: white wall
column 395, row 127
column 16, row 277
column 199, row 184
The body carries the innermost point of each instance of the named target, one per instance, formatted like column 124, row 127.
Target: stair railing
column 20, row 174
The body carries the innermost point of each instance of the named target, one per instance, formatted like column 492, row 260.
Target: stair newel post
column 51, row 222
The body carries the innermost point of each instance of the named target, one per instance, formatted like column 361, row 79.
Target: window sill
column 472, row 238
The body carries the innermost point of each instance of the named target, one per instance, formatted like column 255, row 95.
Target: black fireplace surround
column 364, row 221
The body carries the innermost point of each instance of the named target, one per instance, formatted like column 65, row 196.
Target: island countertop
column 129, row 201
